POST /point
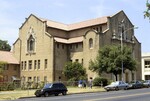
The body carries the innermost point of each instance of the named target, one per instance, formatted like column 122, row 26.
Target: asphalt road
column 122, row 95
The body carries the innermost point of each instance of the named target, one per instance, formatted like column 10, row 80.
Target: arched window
column 31, row 44
column 90, row 43
column 123, row 33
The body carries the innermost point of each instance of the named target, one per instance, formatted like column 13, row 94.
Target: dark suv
column 52, row 88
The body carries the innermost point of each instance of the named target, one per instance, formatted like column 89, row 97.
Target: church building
column 45, row 46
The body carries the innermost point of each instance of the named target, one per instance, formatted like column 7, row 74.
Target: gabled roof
column 69, row 27
column 74, row 26
column 8, row 57
column 88, row 23
column 55, row 24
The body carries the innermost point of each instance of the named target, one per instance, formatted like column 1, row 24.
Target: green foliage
column 100, row 81
column 7, row 86
column 2, row 64
column 74, row 71
column 41, row 84
column 109, row 60
column 23, row 86
column 4, row 46
column 11, row 86
column 32, row 85
column 72, row 82
column 147, row 12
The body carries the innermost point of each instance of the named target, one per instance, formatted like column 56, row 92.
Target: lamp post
column 122, row 32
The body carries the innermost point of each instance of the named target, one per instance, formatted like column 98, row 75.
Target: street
column 122, row 95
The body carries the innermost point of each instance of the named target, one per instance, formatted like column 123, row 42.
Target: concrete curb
column 67, row 94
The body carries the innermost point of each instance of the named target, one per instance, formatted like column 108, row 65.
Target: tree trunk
column 116, row 77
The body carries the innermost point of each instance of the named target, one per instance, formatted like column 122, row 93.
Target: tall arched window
column 123, row 33
column 31, row 44
column 90, row 43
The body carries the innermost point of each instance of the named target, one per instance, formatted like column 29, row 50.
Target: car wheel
column 46, row 94
column 125, row 88
column 56, row 94
column 147, row 86
column 38, row 96
column 64, row 93
column 116, row 88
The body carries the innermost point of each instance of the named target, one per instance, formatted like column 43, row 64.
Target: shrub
column 23, row 86
column 10, row 86
column 7, row 86
column 29, row 84
column 72, row 82
column 34, row 85
column 100, row 81
column 41, row 84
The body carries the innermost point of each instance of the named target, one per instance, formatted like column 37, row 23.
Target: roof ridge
column 90, row 19
column 77, row 25
column 43, row 19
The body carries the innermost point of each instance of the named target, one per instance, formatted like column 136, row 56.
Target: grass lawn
column 11, row 95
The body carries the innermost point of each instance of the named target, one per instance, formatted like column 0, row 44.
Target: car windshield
column 49, row 85
column 114, row 83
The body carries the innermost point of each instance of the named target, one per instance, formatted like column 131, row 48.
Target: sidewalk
column 12, row 95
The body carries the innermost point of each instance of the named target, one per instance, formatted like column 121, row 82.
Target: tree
column 2, row 64
column 109, row 60
column 4, row 46
column 74, row 71
column 147, row 12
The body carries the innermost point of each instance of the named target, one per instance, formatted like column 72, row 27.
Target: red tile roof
column 74, row 26
column 55, row 24
column 88, row 23
column 8, row 57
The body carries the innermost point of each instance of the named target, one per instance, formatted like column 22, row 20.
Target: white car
column 146, row 83
column 117, row 86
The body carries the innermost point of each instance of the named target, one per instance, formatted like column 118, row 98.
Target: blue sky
column 14, row 12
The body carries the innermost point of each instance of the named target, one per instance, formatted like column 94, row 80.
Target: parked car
column 52, row 89
column 146, row 83
column 116, row 86
column 135, row 84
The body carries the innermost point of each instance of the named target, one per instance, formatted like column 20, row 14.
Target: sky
column 14, row 12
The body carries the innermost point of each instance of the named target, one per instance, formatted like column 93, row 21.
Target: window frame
column 35, row 64
column 31, row 44
column 91, row 43
column 39, row 63
column 45, row 63
column 30, row 64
